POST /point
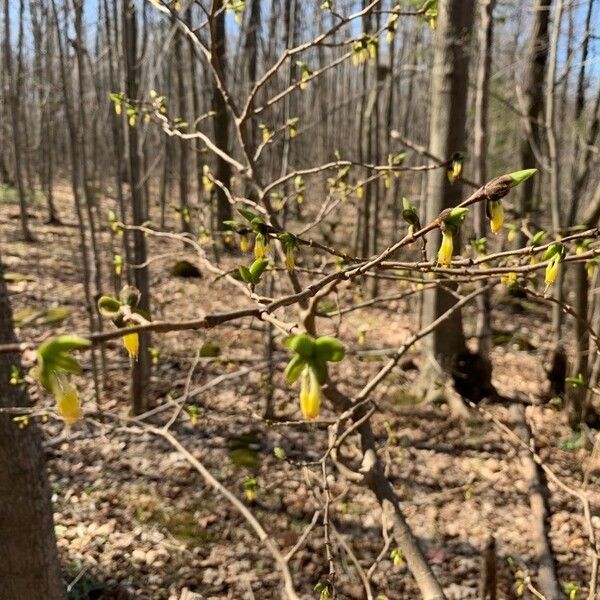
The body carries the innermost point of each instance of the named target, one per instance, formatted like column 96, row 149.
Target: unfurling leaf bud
column 109, row 307
column 129, row 295
column 519, row 177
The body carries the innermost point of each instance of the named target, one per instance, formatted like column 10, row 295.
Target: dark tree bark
column 29, row 565
column 11, row 97
column 534, row 102
column 221, row 118
column 183, row 144
column 449, row 87
column 480, row 143
column 141, row 367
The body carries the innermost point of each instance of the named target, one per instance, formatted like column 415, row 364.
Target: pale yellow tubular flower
column 590, row 269
column 496, row 215
column 131, row 341
column 244, row 243
column 552, row 270
column 259, row 247
column 446, row 249
column 68, row 404
column 310, row 395
column 290, row 261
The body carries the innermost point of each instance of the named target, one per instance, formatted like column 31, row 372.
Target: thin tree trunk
column 184, row 210
column 76, row 190
column 534, row 99
column 449, row 86
column 141, row 367
column 486, row 28
column 11, row 96
column 29, row 565
column 221, row 117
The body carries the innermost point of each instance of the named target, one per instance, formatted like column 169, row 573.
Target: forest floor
column 135, row 520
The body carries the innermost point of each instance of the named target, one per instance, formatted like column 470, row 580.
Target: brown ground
column 133, row 519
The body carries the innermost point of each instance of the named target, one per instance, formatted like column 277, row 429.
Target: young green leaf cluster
column 310, row 362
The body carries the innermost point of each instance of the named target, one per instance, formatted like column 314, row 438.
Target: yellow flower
column 67, row 400
column 131, row 341
column 244, row 243
column 512, row 235
column 509, row 280
column 207, row 182
column 310, row 395
column 552, row 270
column 591, row 269
column 446, row 249
column 496, row 216
column 387, row 180
column 261, row 246
column 290, row 262
column 455, row 170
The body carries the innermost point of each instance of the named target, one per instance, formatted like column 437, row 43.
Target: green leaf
column 319, row 368
column 248, row 214
column 245, row 274
column 458, row 213
column 538, row 237
column 519, row 177
column 109, row 307
column 302, row 344
column 231, row 225
column 328, row 348
column 294, row 369
column 257, row 268
column 575, row 381
column 551, row 251
column 63, row 343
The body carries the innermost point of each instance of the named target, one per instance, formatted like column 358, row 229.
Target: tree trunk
column 11, row 97
column 184, row 211
column 534, row 101
column 221, row 118
column 449, row 86
column 29, row 565
column 141, row 367
column 486, row 29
